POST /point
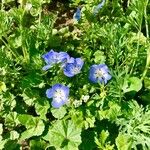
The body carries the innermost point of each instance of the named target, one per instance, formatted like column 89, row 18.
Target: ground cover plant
column 74, row 74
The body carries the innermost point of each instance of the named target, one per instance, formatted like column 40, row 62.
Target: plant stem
column 9, row 48
column 148, row 51
column 147, row 64
column 146, row 23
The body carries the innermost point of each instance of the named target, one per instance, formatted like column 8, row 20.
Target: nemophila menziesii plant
column 51, row 58
column 77, row 14
column 75, row 83
column 73, row 67
column 59, row 94
column 98, row 7
column 99, row 73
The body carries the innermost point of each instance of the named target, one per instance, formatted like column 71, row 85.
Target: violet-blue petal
column 71, row 69
column 71, row 60
column 66, row 90
column 98, row 7
column 68, row 70
column 79, row 62
column 59, row 94
column 48, row 56
column 49, row 93
column 46, row 67
column 57, row 104
column 63, row 57
column 99, row 73
column 77, row 14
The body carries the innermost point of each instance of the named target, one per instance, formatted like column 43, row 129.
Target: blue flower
column 99, row 73
column 59, row 94
column 77, row 14
column 73, row 67
column 98, row 7
column 52, row 58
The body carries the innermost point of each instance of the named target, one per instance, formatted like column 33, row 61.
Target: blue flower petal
column 71, row 60
column 57, row 104
column 79, row 62
column 63, row 57
column 46, row 67
column 66, row 90
column 107, row 76
column 48, row 56
column 98, row 7
column 59, row 94
column 71, row 69
column 99, row 73
column 77, row 14
column 49, row 93
column 68, row 70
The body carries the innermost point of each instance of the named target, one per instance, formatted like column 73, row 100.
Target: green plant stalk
column 2, row 5
column 9, row 48
column 40, row 15
column 24, row 50
column 146, row 23
column 148, row 51
column 137, row 49
column 147, row 65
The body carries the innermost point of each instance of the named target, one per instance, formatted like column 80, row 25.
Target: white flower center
column 76, row 70
column 98, row 73
column 59, row 95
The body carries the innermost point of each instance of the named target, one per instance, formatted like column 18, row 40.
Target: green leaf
column 2, row 87
column 37, row 144
column 2, row 143
column 99, row 57
column 147, row 83
column 132, row 84
column 41, row 108
column 59, row 113
column 102, row 141
column 123, row 142
column 12, row 119
column 14, row 135
column 64, row 135
column 34, row 125
column 12, row 145
column 1, row 128
column 31, row 80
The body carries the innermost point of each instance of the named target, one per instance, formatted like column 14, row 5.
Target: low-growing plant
column 74, row 75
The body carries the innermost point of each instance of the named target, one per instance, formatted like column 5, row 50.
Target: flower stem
column 8, row 47
column 146, row 23
column 147, row 64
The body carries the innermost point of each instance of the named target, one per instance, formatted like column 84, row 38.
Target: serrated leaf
column 59, row 113
column 123, row 142
column 103, row 136
column 41, row 108
column 99, row 57
column 12, row 119
column 132, row 84
column 2, row 143
column 1, row 128
column 64, row 135
column 14, row 135
column 2, row 87
column 37, row 144
column 34, row 125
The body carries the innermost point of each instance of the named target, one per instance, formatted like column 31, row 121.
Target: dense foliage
column 75, row 74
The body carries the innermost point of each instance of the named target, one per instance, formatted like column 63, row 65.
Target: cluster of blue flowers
column 71, row 67
column 59, row 93
column 98, row 7
column 77, row 14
